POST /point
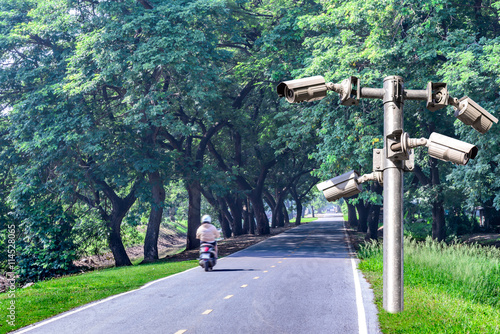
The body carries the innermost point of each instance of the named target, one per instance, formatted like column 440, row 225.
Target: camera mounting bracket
column 379, row 166
column 437, row 96
column 350, row 91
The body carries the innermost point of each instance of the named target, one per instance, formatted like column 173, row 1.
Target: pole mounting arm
column 374, row 176
column 408, row 143
column 349, row 90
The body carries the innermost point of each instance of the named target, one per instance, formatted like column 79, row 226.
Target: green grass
column 48, row 298
column 448, row 288
column 304, row 220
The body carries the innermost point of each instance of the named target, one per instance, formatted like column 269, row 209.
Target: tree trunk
column 251, row 222
column 374, row 216
column 116, row 243
column 279, row 213
column 373, row 221
column 491, row 216
column 260, row 213
column 155, row 217
column 285, row 215
column 194, row 214
column 251, row 218
column 438, row 221
column 274, row 206
column 235, row 205
column 246, row 218
column 298, row 217
column 363, row 211
column 352, row 219
column 120, row 207
column 224, row 216
column 224, row 223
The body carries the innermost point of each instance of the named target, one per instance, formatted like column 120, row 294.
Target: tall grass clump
column 448, row 288
column 470, row 271
column 371, row 254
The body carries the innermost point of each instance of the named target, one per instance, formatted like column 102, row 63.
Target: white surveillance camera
column 471, row 113
column 345, row 185
column 305, row 89
column 449, row 149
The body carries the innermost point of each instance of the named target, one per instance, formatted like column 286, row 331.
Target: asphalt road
column 301, row 281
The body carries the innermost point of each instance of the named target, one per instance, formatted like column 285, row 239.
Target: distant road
column 301, row 281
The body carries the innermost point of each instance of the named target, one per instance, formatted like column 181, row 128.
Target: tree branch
column 419, row 174
column 40, row 41
column 206, row 138
column 238, row 102
column 145, row 4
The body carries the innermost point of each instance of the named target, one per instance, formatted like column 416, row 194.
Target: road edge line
column 362, row 326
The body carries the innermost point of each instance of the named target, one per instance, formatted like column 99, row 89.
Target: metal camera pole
column 393, row 199
column 396, row 157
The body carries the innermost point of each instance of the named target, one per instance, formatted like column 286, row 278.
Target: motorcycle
column 208, row 257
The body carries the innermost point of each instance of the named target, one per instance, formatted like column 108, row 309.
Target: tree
column 71, row 140
column 158, row 62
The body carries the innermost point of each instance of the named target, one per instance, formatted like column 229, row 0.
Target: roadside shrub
column 90, row 235
column 44, row 246
column 131, row 235
column 418, row 230
column 461, row 224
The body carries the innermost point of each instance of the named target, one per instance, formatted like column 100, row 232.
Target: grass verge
column 448, row 288
column 48, row 298
column 303, row 220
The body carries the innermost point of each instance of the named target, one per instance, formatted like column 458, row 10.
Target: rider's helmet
column 206, row 219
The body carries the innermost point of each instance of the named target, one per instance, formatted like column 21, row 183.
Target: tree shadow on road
column 235, row 270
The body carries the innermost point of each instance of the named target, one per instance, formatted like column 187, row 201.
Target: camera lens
column 289, row 93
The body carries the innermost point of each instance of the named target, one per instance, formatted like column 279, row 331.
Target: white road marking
column 244, row 285
column 363, row 329
column 182, row 331
column 256, row 277
column 207, row 312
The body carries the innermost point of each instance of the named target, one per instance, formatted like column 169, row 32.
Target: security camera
column 449, row 149
column 471, row 113
column 345, row 185
column 305, row 89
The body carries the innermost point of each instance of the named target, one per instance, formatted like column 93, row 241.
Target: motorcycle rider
column 207, row 233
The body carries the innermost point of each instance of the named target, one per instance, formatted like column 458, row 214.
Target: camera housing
column 345, row 185
column 450, row 149
column 303, row 90
column 471, row 113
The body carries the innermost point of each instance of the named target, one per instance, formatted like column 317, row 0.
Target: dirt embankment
column 167, row 244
